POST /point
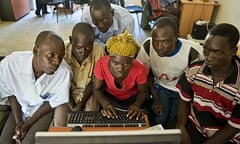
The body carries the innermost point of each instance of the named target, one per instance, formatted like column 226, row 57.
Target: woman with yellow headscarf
column 121, row 80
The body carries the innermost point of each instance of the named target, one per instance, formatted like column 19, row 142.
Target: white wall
column 229, row 12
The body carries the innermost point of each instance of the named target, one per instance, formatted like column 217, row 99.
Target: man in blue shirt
column 107, row 20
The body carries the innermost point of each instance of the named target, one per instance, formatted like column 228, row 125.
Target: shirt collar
column 86, row 60
column 75, row 62
column 231, row 78
column 179, row 45
column 114, row 26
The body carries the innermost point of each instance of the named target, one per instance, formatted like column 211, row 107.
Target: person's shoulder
column 64, row 67
column 146, row 44
column 138, row 68
column 97, row 49
column 120, row 11
column 68, row 48
column 18, row 56
column 196, row 64
column 194, row 48
column 194, row 68
column 20, row 53
column 104, row 59
column 117, row 7
column 138, row 64
column 189, row 43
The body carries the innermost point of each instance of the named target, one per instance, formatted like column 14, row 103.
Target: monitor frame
column 167, row 136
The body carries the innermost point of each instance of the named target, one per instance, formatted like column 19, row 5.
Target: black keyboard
column 95, row 119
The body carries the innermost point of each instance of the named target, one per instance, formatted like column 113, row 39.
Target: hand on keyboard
column 109, row 111
column 96, row 119
column 135, row 111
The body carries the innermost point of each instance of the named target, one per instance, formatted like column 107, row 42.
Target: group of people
column 177, row 82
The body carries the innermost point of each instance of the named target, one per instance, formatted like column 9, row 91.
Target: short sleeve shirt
column 213, row 105
column 137, row 75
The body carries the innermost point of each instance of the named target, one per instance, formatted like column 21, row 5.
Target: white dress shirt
column 17, row 78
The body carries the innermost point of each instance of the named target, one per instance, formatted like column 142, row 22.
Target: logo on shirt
column 46, row 96
column 166, row 77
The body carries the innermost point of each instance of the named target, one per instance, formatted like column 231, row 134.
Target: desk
column 192, row 11
column 68, row 129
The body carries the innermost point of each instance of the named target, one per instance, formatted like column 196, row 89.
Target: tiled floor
column 20, row 35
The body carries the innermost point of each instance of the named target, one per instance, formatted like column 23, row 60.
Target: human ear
column 234, row 50
column 36, row 50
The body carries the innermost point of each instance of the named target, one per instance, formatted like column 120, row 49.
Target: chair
column 81, row 2
column 117, row 2
column 134, row 9
column 56, row 4
column 148, row 18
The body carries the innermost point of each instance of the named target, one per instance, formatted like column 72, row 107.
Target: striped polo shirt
column 213, row 105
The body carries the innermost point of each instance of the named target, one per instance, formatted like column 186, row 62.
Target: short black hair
column 226, row 30
column 100, row 4
column 44, row 35
column 167, row 21
column 85, row 29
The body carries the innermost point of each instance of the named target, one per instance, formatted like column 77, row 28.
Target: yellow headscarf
column 122, row 45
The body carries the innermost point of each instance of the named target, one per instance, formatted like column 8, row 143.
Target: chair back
column 81, row 2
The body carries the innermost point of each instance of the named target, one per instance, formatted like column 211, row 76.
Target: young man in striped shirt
column 209, row 109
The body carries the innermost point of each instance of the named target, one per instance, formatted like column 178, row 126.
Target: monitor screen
column 168, row 136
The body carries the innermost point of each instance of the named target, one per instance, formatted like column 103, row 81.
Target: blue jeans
column 170, row 100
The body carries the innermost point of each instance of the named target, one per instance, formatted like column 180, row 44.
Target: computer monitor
column 170, row 136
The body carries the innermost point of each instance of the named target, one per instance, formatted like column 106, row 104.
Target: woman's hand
column 135, row 111
column 109, row 111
